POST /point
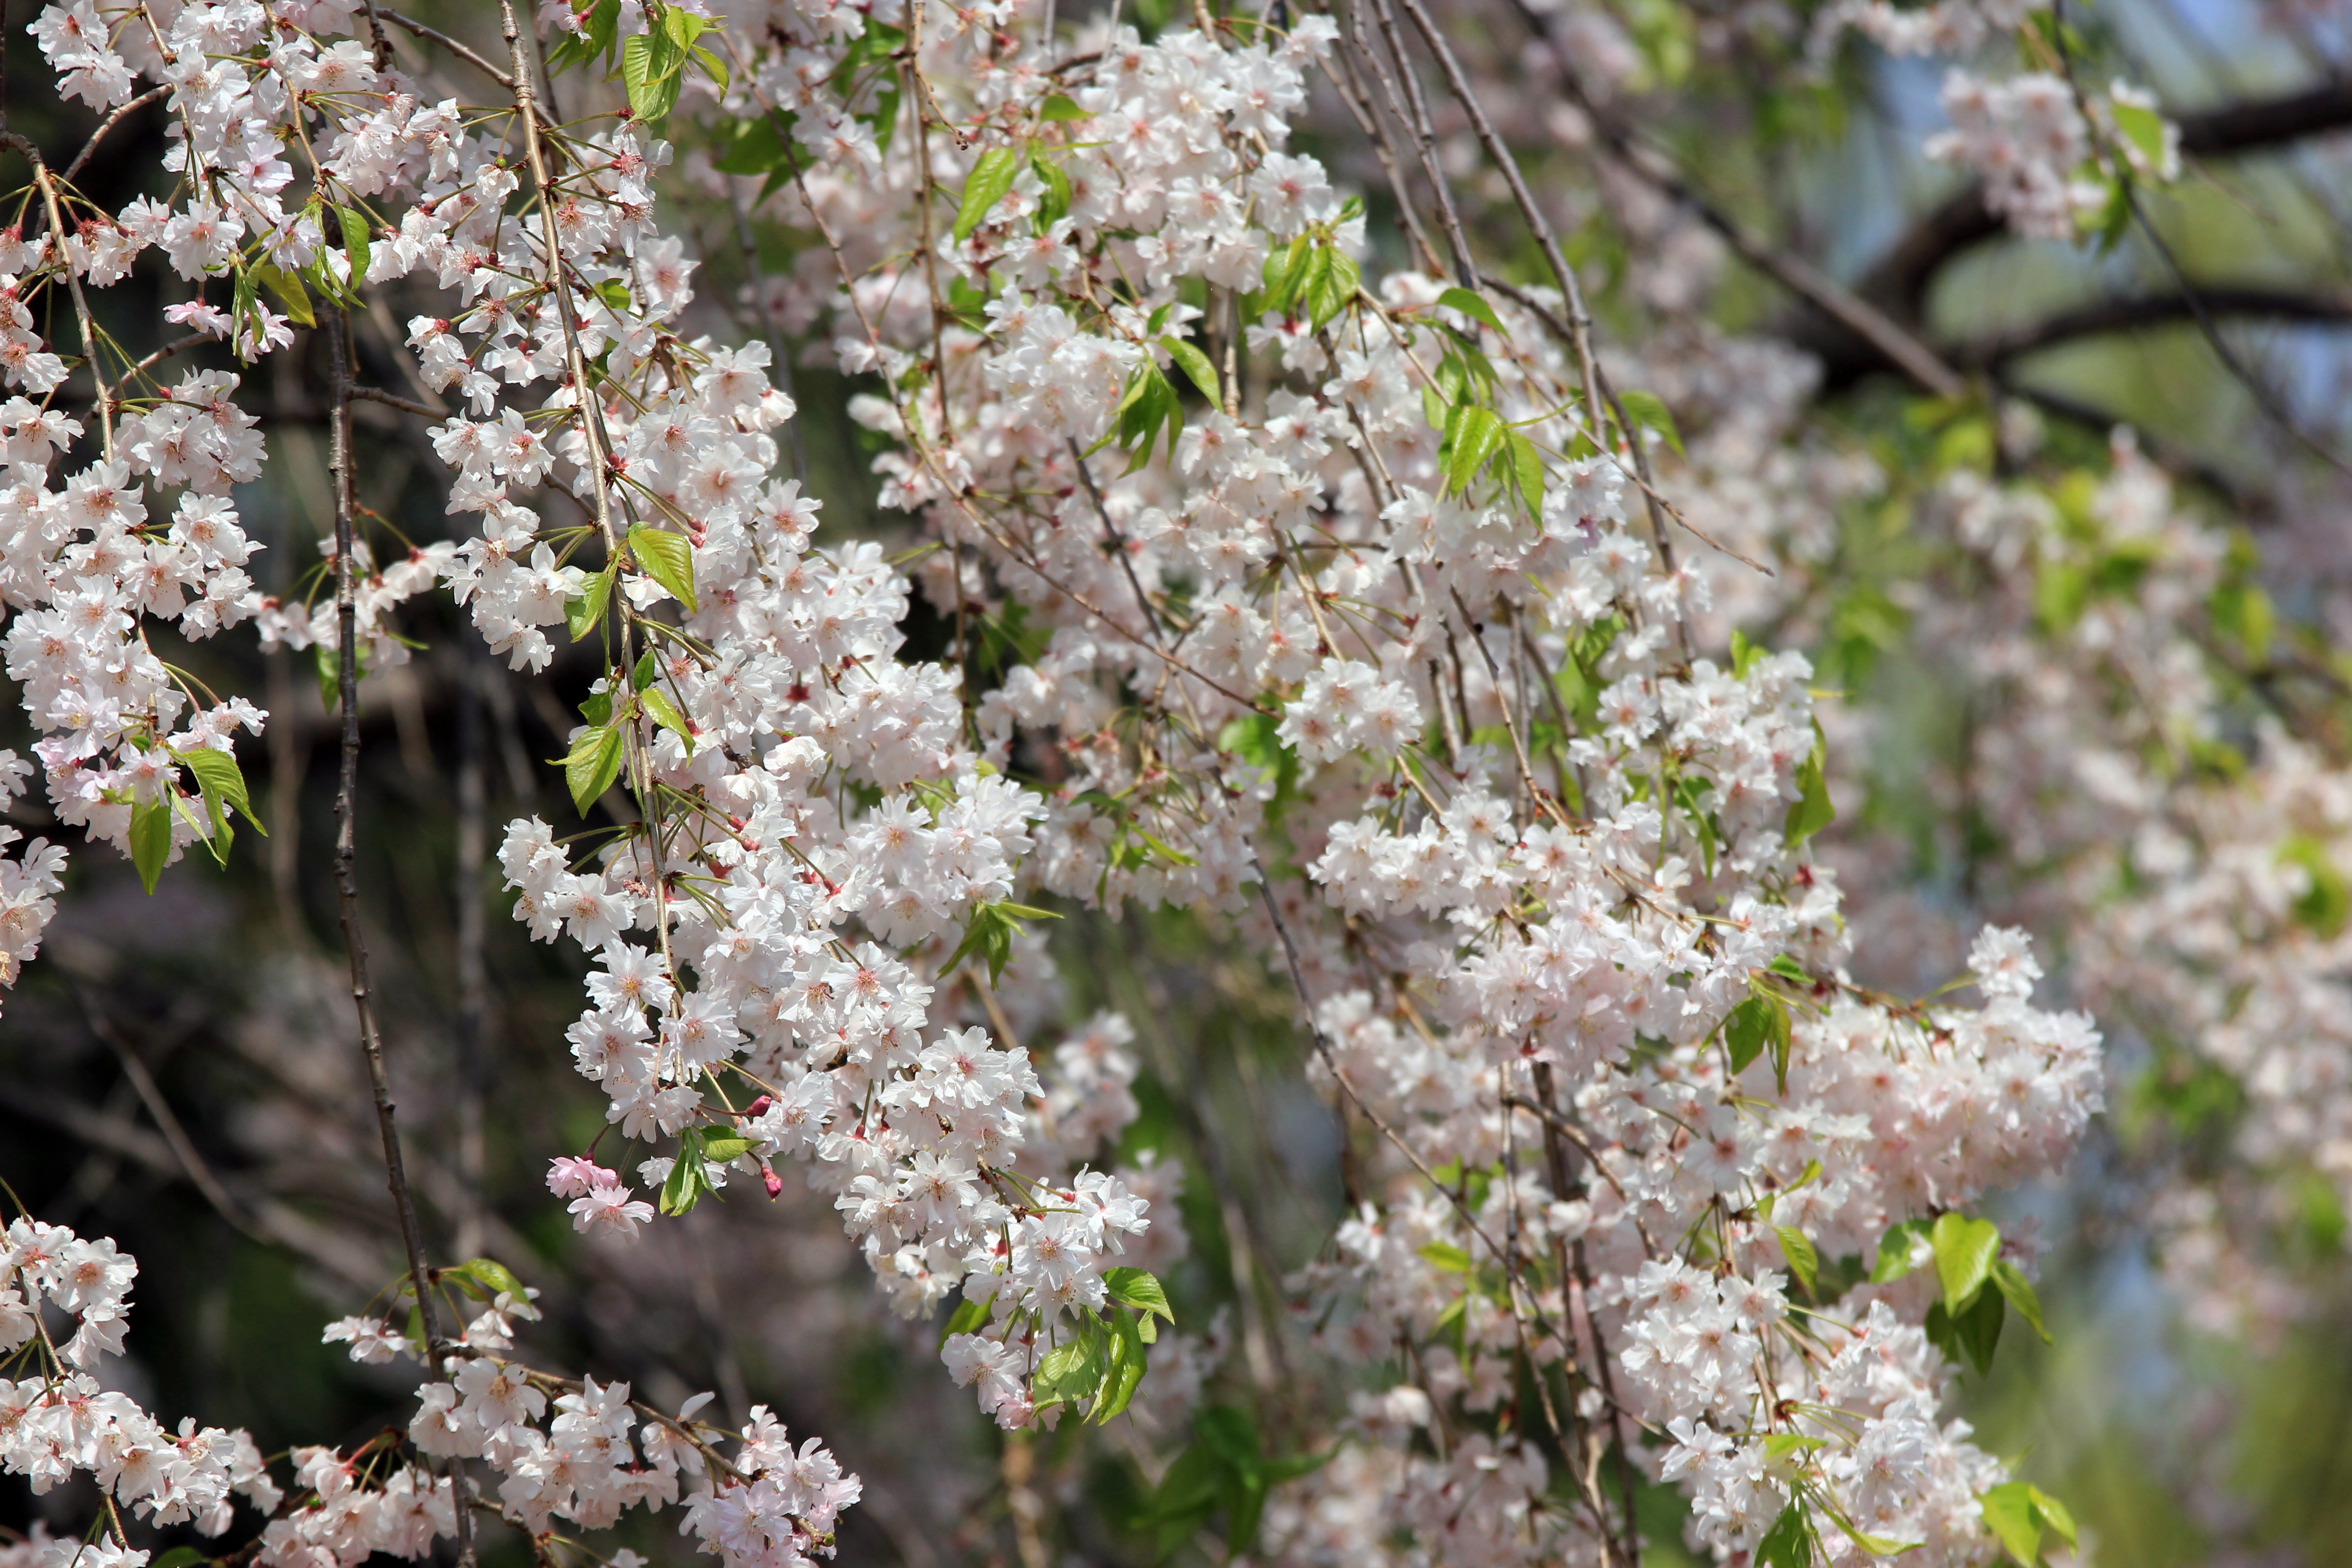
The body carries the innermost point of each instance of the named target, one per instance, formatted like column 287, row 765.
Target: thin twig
column 347, row 895
column 175, row 1136
column 433, row 35
column 374, row 394
column 152, row 95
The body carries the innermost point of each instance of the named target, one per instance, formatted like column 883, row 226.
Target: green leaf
column 1057, row 106
column 1445, row 1255
column 328, row 661
column 1477, row 432
column 177, row 1557
column 151, row 837
column 1526, row 472
column 1756, row 1024
column 2008, row 1512
column 1148, row 403
column 290, row 294
column 2324, row 905
column 1812, row 811
column 667, row 559
column 756, row 147
column 1282, row 274
column 1230, row 1435
column 990, row 178
column 222, row 785
column 218, row 775
column 688, row 1181
column 356, row 243
column 1782, row 1445
column 2142, row 128
column 1876, row 1545
column 581, row 615
column 1196, row 367
column 720, row 1147
column 1743, row 654
column 968, row 1317
column 1965, row 1251
column 1971, row 1334
column 1788, row 968
column 989, row 931
column 649, row 69
column 1126, row 1368
column 1649, row 411
column 1070, row 1371
column 2018, row 1290
column 1472, row 306
column 1332, row 287
column 1895, row 1251
column 1804, row 1262
column 593, row 763
column 664, row 712
column 1054, row 204
column 1789, row 1542
column 2055, row 1514
column 493, row 1276
column 1137, row 1289
column 684, row 1187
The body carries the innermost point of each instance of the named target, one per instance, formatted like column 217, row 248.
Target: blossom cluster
column 1381, row 651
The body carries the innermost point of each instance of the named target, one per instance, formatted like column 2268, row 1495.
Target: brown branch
column 434, row 35
column 1900, row 280
column 374, row 395
column 152, row 95
column 347, row 893
column 2100, row 317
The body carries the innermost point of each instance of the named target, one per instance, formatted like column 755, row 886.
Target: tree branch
column 2101, row 317
column 1900, row 280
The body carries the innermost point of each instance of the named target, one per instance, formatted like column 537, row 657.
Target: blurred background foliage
column 177, row 1071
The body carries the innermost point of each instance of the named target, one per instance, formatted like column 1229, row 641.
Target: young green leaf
column 290, row 291
column 667, row 559
column 1757, row 1024
column 1057, row 106
column 664, row 712
column 581, row 615
column 1895, row 1251
column 1195, row 366
column 991, row 176
column 1332, row 287
column 1647, row 410
column 591, row 765
column 493, row 1277
column 2008, row 1512
column 354, row 225
column 1965, row 1251
column 1804, row 1262
column 151, row 837
column 1789, row 1542
column 1137, row 1289
column 2018, row 1292
column 1477, row 432
column 1472, row 306
column 969, row 1316
column 1812, row 811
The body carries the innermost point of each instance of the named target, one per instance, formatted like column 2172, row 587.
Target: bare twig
column 347, row 895
column 374, row 394
column 152, row 95
column 432, row 34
